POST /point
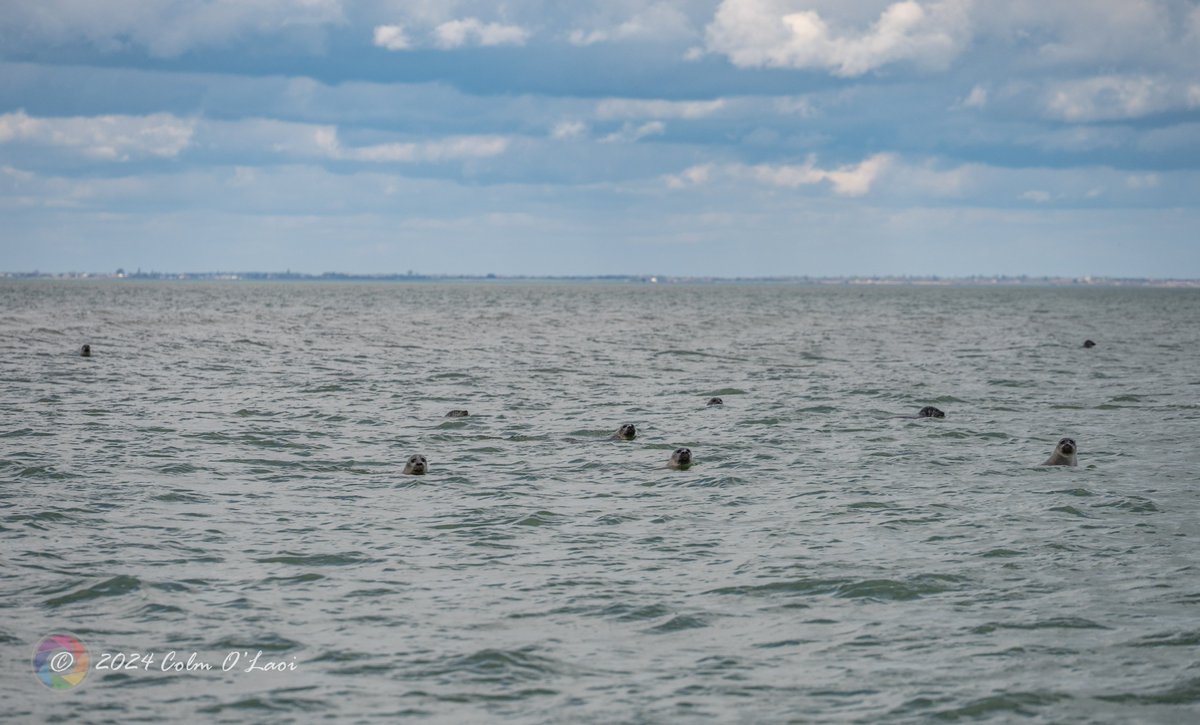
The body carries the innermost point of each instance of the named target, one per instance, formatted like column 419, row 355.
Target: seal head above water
column 626, row 432
column 457, row 413
column 715, row 401
column 85, row 351
column 1064, row 454
column 930, row 412
column 681, row 459
column 416, row 466
column 1089, row 343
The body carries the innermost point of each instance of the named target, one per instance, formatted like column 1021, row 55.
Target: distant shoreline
column 862, row 280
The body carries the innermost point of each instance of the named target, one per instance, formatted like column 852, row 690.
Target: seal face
column 85, row 351
column 681, row 459
column 1064, row 454
column 416, row 466
column 930, row 412
column 457, row 413
column 627, row 432
column 1089, row 343
column 716, row 401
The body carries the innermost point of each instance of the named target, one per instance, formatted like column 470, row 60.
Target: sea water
column 223, row 479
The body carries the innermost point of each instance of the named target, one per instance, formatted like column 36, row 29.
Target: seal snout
column 416, row 465
column 1067, row 446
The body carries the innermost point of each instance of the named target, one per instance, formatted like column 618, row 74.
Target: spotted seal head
column 1064, row 454
column 681, row 459
column 85, row 351
column 931, row 412
column 1089, row 343
column 627, row 432
column 715, row 401
column 416, row 466
column 457, row 413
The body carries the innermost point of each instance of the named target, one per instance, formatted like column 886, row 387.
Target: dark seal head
column 930, row 412
column 1064, row 454
column 716, row 401
column 1089, row 343
column 681, row 459
column 627, row 432
column 458, row 413
column 85, row 351
column 416, row 466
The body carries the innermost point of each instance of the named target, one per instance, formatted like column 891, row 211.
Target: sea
column 208, row 521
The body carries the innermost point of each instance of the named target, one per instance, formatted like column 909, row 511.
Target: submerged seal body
column 930, row 412
column 626, row 432
column 1064, row 454
column 715, row 401
column 681, row 459
column 416, row 466
column 1089, row 343
column 457, row 413
column 85, row 351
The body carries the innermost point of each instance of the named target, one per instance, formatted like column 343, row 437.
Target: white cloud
column 472, row 31
column 568, row 129
column 1142, row 181
column 766, row 33
column 657, row 21
column 1036, row 196
column 612, row 108
column 446, row 149
column 109, row 138
column 693, row 176
column 629, row 132
column 852, row 180
column 1118, row 97
column 392, row 37
column 977, row 98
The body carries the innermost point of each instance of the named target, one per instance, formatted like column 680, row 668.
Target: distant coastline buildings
column 410, row 276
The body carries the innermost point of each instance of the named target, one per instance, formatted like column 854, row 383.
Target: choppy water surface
column 225, row 475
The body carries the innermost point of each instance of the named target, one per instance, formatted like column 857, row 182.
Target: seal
column 716, row 401
column 457, row 413
column 416, row 466
column 681, row 459
column 1089, row 343
column 1064, row 454
column 85, row 351
column 930, row 412
column 626, row 432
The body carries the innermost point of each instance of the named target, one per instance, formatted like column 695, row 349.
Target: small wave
column 113, row 587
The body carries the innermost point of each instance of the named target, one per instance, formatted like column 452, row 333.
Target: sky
column 724, row 138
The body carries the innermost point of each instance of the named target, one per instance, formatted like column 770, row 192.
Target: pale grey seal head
column 416, row 466
column 1089, row 343
column 627, row 432
column 85, row 351
column 716, row 401
column 681, row 459
column 930, row 412
column 1064, row 454
column 457, row 413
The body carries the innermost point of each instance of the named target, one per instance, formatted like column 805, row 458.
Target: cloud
column 1118, row 97
column 853, row 180
column 446, row 149
column 471, row 31
column 659, row 20
column 629, row 133
column 568, row 129
column 763, row 33
column 977, row 98
column 392, row 37
column 108, row 138
column 613, row 108
column 1036, row 196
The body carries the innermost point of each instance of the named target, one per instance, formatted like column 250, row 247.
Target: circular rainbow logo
column 61, row 661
